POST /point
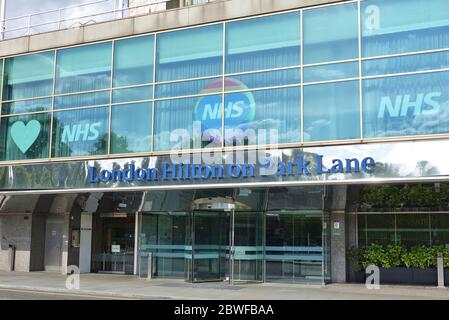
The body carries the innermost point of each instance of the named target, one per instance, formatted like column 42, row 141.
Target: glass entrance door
column 113, row 243
column 247, row 247
column 210, row 239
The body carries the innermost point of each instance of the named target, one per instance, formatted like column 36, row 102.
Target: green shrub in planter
column 420, row 257
column 374, row 255
column 394, row 255
column 397, row 256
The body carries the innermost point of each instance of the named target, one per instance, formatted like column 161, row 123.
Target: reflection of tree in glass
column 101, row 145
column 59, row 147
column 119, row 144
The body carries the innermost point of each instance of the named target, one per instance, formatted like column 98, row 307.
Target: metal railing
column 57, row 19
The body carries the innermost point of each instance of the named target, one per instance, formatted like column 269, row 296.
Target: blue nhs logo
column 402, row 105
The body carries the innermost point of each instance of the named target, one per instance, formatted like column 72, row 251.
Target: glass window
column 406, row 105
column 84, row 68
column 25, row 137
column 277, row 111
column 329, row 109
column 168, row 201
column 80, row 132
column 188, row 123
column 413, row 229
column 263, row 79
column 29, row 76
column 133, row 61
column 397, row 26
column 82, row 100
column 295, row 198
column 361, row 230
column 263, row 43
column 131, row 128
column 380, row 229
column 190, row 53
column 440, row 229
column 26, row 106
column 331, row 33
column 186, row 88
column 335, row 71
column 132, row 94
column 410, row 63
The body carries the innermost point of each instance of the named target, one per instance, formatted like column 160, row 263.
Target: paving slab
column 124, row 286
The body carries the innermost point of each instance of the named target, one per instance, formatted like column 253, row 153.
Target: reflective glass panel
column 410, row 63
column 165, row 235
column 331, row 33
column 188, row 123
column 133, row 61
column 190, row 53
column 186, row 88
column 84, row 68
column 413, row 229
column 80, row 132
column 168, row 201
column 440, row 229
column 291, row 198
column 29, row 76
column 380, row 229
column 406, row 105
column 82, row 100
column 398, row 26
column 263, row 116
column 131, row 128
column 332, row 111
column 25, row 137
column 26, row 106
column 263, row 79
column 335, row 71
column 294, row 250
column 263, row 43
column 132, row 94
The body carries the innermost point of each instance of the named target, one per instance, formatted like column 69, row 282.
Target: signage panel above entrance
column 367, row 163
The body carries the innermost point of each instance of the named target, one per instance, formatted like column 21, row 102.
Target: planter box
column 359, row 277
column 446, row 277
column 409, row 276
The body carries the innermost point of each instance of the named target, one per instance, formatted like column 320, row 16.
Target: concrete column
column 338, row 234
column 338, row 247
column 62, row 205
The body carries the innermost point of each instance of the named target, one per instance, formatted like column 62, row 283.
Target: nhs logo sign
column 81, row 132
column 239, row 107
column 403, row 105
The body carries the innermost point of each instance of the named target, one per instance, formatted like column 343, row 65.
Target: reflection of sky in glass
column 404, row 155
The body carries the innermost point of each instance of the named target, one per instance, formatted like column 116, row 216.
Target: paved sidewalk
column 136, row 288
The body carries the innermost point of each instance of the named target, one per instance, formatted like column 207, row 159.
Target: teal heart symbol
column 25, row 135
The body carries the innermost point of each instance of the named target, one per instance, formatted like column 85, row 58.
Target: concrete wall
column 176, row 18
column 15, row 229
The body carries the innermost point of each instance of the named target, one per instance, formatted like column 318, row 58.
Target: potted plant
column 356, row 271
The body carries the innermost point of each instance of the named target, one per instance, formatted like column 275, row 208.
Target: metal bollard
column 11, row 257
column 440, row 270
column 150, row 266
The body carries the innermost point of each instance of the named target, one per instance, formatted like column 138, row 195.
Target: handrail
column 61, row 23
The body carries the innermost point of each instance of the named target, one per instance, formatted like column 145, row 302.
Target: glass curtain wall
column 290, row 78
column 408, row 230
